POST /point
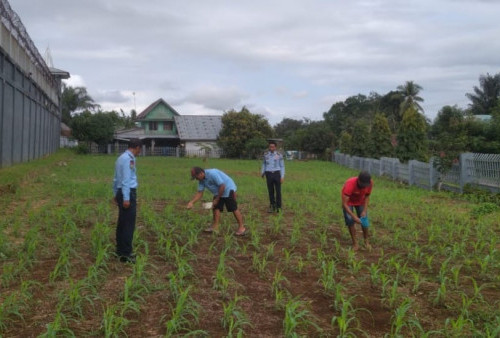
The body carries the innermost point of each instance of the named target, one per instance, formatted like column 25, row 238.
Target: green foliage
column 240, row 127
column 345, row 142
column 255, row 147
column 449, row 137
column 410, row 91
column 380, row 138
column 98, row 127
column 412, row 137
column 361, row 139
column 74, row 99
column 343, row 115
column 485, row 97
column 483, row 209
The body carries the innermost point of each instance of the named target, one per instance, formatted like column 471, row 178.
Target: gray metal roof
column 198, row 127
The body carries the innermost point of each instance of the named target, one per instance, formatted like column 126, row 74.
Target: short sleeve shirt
column 356, row 195
column 213, row 179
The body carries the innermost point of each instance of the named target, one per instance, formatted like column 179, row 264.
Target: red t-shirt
column 356, row 195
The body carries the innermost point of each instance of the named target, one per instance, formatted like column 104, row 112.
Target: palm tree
column 485, row 97
column 74, row 99
column 410, row 92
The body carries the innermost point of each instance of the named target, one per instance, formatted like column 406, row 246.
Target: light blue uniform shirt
column 273, row 161
column 213, row 179
column 125, row 174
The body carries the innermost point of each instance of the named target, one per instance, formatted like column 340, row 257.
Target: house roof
column 140, row 133
column 198, row 127
column 152, row 106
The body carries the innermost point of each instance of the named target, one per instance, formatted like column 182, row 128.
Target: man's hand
column 189, row 205
column 215, row 202
column 126, row 204
column 282, row 180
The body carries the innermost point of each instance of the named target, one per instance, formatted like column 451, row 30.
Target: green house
column 158, row 123
column 160, row 126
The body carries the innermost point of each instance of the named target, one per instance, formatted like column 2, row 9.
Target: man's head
column 134, row 145
column 364, row 179
column 197, row 173
column 272, row 146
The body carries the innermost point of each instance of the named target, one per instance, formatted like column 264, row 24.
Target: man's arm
column 345, row 205
column 282, row 169
column 126, row 178
column 365, row 206
column 222, row 187
column 195, row 199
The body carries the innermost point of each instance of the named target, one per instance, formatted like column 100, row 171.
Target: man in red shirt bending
column 356, row 195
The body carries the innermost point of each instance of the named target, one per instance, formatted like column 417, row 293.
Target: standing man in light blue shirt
column 125, row 196
column 273, row 167
column 224, row 191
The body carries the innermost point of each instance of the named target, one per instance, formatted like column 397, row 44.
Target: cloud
column 216, row 98
column 281, row 58
column 113, row 96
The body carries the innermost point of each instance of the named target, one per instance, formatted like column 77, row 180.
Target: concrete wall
column 30, row 118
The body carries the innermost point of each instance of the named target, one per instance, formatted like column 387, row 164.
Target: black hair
column 134, row 143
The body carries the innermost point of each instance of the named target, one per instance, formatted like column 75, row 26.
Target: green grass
column 436, row 256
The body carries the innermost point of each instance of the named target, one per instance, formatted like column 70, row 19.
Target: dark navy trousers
column 126, row 223
column 273, row 179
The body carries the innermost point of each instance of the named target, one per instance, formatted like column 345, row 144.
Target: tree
column 345, row 142
column 390, row 104
column 255, row 147
column 98, row 127
column 410, row 91
column 412, row 137
column 361, row 139
column 449, row 137
column 287, row 127
column 485, row 97
column 317, row 138
column 380, row 138
column 73, row 100
column 343, row 115
column 240, row 127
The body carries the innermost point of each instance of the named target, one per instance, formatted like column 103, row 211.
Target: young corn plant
column 184, row 315
column 113, row 323
column 327, row 278
column 374, row 274
column 58, row 327
column 402, row 319
column 259, row 264
column 298, row 318
column 235, row 319
column 347, row 321
column 221, row 280
column 441, row 293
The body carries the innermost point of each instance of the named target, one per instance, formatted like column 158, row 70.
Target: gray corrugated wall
column 29, row 121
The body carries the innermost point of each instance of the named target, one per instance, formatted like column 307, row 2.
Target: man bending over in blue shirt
column 224, row 191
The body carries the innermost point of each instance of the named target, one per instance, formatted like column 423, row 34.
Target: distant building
column 160, row 125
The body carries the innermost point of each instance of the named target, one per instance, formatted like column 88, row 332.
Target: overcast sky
column 278, row 58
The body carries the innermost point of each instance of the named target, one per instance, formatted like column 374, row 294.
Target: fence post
column 177, row 152
column 411, row 174
column 465, row 177
column 143, row 151
column 433, row 173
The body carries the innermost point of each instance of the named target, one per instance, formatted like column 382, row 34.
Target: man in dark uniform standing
column 125, row 196
column 273, row 167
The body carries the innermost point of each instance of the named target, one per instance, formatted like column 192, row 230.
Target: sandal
column 243, row 233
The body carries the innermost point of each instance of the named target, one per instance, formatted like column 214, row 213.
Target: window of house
column 153, row 125
column 167, row 125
